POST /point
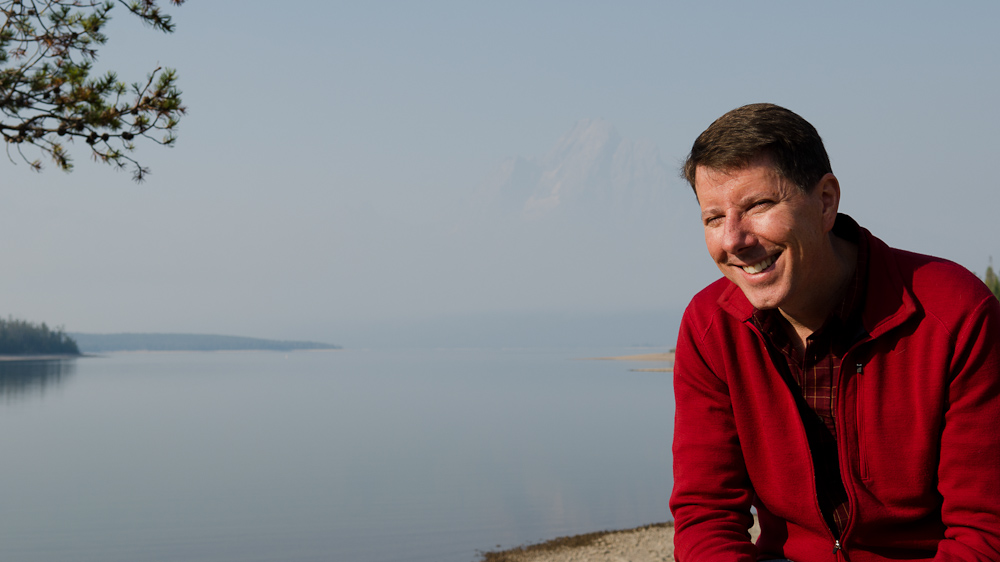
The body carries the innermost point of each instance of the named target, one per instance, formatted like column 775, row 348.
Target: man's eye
column 712, row 221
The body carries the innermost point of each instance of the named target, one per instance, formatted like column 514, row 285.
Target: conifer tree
column 991, row 280
column 48, row 97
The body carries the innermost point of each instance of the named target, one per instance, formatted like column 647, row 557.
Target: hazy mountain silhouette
column 580, row 244
column 590, row 173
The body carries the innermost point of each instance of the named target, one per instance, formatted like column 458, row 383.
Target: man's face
column 766, row 235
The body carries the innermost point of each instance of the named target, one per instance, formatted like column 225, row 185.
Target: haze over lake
column 353, row 455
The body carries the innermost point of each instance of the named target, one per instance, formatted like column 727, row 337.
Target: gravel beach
column 652, row 543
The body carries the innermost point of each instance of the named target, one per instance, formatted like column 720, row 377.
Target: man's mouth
column 760, row 266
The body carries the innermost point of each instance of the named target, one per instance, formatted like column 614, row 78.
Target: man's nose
column 737, row 236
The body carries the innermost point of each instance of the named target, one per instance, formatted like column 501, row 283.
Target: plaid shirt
column 812, row 376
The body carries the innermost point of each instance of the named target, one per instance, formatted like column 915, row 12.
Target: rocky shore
column 651, row 543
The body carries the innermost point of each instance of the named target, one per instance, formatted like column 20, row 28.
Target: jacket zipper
column 836, row 541
column 851, row 504
column 862, row 456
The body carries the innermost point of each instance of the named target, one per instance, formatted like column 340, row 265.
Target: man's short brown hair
column 757, row 130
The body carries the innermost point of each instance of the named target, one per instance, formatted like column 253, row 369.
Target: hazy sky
column 330, row 147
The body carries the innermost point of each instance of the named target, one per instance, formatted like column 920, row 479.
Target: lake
column 352, row 455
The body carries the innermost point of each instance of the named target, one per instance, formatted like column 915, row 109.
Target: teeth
column 760, row 266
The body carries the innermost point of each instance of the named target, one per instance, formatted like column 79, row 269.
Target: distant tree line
column 19, row 337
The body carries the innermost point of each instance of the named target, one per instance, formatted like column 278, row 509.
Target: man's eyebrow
column 711, row 211
column 750, row 199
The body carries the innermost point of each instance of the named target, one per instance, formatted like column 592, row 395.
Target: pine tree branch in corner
column 49, row 99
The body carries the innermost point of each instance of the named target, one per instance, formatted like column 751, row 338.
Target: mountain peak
column 589, row 168
column 588, row 138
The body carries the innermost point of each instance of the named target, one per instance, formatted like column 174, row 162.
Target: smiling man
column 848, row 390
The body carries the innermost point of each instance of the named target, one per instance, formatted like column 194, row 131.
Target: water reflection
column 21, row 379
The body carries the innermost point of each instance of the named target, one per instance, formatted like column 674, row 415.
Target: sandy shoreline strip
column 667, row 357
column 650, row 543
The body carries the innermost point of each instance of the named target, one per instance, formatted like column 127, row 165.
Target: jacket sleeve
column 969, row 468
column 712, row 493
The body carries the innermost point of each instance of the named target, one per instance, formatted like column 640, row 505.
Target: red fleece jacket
column 918, row 427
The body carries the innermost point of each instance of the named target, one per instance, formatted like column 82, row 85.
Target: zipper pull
column 836, row 543
column 860, row 368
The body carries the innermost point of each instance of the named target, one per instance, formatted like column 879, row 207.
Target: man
column 847, row 390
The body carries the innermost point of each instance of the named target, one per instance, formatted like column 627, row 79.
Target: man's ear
column 828, row 190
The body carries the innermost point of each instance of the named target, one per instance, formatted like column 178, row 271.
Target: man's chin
column 761, row 300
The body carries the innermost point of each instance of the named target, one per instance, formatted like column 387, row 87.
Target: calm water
column 354, row 456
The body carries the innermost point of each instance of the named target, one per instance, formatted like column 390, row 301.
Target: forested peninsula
column 20, row 337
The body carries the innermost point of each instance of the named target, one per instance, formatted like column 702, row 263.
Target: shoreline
column 666, row 357
column 648, row 543
column 40, row 357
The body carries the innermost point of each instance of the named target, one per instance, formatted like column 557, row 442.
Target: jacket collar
column 888, row 300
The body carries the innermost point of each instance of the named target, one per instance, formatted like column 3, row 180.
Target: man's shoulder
column 931, row 277
column 707, row 299
column 720, row 298
column 938, row 286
